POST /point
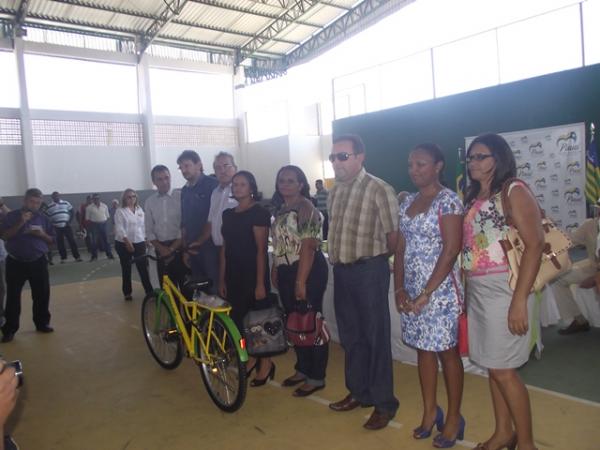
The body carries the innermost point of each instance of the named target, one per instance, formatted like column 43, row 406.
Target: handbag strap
column 504, row 199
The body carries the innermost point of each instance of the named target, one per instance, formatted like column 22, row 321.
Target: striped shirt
column 321, row 198
column 362, row 212
column 59, row 213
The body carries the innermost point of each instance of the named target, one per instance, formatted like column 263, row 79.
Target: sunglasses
column 342, row 156
column 478, row 157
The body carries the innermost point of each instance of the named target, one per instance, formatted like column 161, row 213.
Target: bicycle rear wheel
column 160, row 332
column 223, row 372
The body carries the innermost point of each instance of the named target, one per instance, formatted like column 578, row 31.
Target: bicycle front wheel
column 223, row 372
column 160, row 332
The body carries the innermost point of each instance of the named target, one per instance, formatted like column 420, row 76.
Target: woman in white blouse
column 130, row 241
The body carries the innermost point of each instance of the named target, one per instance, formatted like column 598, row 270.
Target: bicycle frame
column 194, row 311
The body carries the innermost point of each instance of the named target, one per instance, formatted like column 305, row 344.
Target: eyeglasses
column 132, row 196
column 478, row 157
column 342, row 156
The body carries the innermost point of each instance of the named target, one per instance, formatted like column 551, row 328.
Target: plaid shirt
column 362, row 212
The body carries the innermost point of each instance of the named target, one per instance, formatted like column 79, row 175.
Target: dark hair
column 319, row 181
column 436, row 154
column 188, row 155
column 251, row 181
column 357, row 144
column 159, row 168
column 277, row 199
column 506, row 167
column 33, row 192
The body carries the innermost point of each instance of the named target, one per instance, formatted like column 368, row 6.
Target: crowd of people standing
column 218, row 227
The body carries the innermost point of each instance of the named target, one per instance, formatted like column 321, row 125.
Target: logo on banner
column 542, row 165
column 554, row 177
column 572, row 227
column 573, row 195
column 558, row 223
column 555, row 193
column 540, row 198
column 574, row 167
column 557, row 165
column 524, row 170
column 573, row 213
column 540, row 183
column 568, row 181
column 567, row 142
column 517, row 153
column 536, row 149
column 554, row 209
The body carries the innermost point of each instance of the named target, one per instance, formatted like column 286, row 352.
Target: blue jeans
column 363, row 318
column 206, row 264
column 97, row 230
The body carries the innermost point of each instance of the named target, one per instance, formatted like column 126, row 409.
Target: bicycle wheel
column 223, row 372
column 160, row 332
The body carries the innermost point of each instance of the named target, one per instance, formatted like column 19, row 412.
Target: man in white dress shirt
column 221, row 199
column 163, row 224
column 97, row 214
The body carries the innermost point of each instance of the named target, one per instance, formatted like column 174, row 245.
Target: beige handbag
column 555, row 255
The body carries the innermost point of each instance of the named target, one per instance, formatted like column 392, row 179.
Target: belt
column 359, row 261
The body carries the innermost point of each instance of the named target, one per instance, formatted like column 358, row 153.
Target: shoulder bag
column 555, row 255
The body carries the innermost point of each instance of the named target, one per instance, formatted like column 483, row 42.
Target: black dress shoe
column 292, row 381
column 7, row 337
column 378, row 420
column 306, row 392
column 45, row 329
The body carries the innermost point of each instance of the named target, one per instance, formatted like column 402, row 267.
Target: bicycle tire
column 222, row 370
column 160, row 332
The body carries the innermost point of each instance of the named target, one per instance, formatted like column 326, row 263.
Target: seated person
column 582, row 274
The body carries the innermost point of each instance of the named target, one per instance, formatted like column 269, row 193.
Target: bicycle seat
column 193, row 283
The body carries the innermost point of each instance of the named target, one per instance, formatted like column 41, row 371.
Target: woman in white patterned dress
column 429, row 294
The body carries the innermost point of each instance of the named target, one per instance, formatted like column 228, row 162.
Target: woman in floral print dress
column 429, row 294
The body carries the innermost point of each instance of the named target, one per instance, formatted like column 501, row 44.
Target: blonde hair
column 124, row 198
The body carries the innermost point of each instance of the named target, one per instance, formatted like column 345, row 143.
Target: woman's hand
column 129, row 246
column 259, row 292
column 518, row 318
column 222, row 290
column 403, row 304
column 420, row 302
column 300, row 290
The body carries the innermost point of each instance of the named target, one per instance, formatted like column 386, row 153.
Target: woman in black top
column 244, row 261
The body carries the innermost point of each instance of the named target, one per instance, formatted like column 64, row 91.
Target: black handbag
column 264, row 328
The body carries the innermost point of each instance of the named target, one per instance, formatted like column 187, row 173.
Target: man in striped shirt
column 60, row 213
column 363, row 232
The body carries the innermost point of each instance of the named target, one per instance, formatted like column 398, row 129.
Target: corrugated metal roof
column 249, row 28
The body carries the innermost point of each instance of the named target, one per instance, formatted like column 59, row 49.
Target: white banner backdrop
column 552, row 161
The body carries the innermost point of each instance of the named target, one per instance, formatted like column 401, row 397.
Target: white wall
column 72, row 169
column 12, row 170
column 305, row 152
column 264, row 159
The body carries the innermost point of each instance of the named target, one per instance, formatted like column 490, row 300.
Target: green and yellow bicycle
column 202, row 327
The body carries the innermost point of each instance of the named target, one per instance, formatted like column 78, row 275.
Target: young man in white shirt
column 97, row 214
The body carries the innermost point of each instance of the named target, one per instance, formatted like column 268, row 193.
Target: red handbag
column 306, row 328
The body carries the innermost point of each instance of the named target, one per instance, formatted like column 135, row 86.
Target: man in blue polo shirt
column 27, row 233
column 200, row 253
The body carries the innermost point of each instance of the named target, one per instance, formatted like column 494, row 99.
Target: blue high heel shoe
column 441, row 442
column 422, row 433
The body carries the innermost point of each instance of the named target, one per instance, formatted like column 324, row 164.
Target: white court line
column 564, row 396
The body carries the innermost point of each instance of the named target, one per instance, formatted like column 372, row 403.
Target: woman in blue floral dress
column 429, row 294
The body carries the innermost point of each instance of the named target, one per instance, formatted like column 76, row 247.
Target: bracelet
column 426, row 292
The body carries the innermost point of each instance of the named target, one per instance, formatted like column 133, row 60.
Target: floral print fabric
column 293, row 224
column 435, row 328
